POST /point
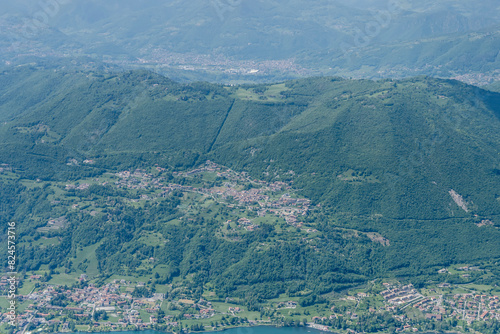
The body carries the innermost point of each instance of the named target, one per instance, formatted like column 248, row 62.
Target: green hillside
column 495, row 87
column 412, row 141
column 403, row 178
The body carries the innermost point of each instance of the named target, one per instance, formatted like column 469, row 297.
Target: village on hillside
column 51, row 301
column 235, row 190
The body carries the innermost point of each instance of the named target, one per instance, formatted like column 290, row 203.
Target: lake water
column 245, row 330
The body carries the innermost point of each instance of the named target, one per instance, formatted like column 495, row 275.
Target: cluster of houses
column 472, row 307
column 139, row 180
column 401, row 295
column 82, row 186
column 469, row 307
column 428, row 305
column 245, row 223
column 82, row 303
column 261, row 197
column 192, row 62
column 205, row 309
column 289, row 304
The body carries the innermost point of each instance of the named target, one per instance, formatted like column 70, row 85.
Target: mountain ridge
column 364, row 123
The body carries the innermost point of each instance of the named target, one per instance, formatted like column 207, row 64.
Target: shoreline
column 154, row 331
column 212, row 331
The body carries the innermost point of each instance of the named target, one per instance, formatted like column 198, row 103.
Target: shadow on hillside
column 491, row 100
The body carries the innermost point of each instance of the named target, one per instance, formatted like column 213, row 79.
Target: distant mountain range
column 245, row 40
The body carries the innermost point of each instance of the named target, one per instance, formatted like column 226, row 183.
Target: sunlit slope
column 389, row 148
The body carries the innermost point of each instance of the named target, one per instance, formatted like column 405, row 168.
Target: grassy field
column 479, row 288
column 63, row 279
column 133, row 279
column 4, row 302
column 87, row 259
column 152, row 239
column 82, row 328
column 26, row 288
column 271, row 94
column 43, row 241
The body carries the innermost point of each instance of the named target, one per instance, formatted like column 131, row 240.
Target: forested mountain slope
column 400, row 145
column 413, row 162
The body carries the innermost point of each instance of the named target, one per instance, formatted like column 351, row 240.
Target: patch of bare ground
column 485, row 222
column 376, row 237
